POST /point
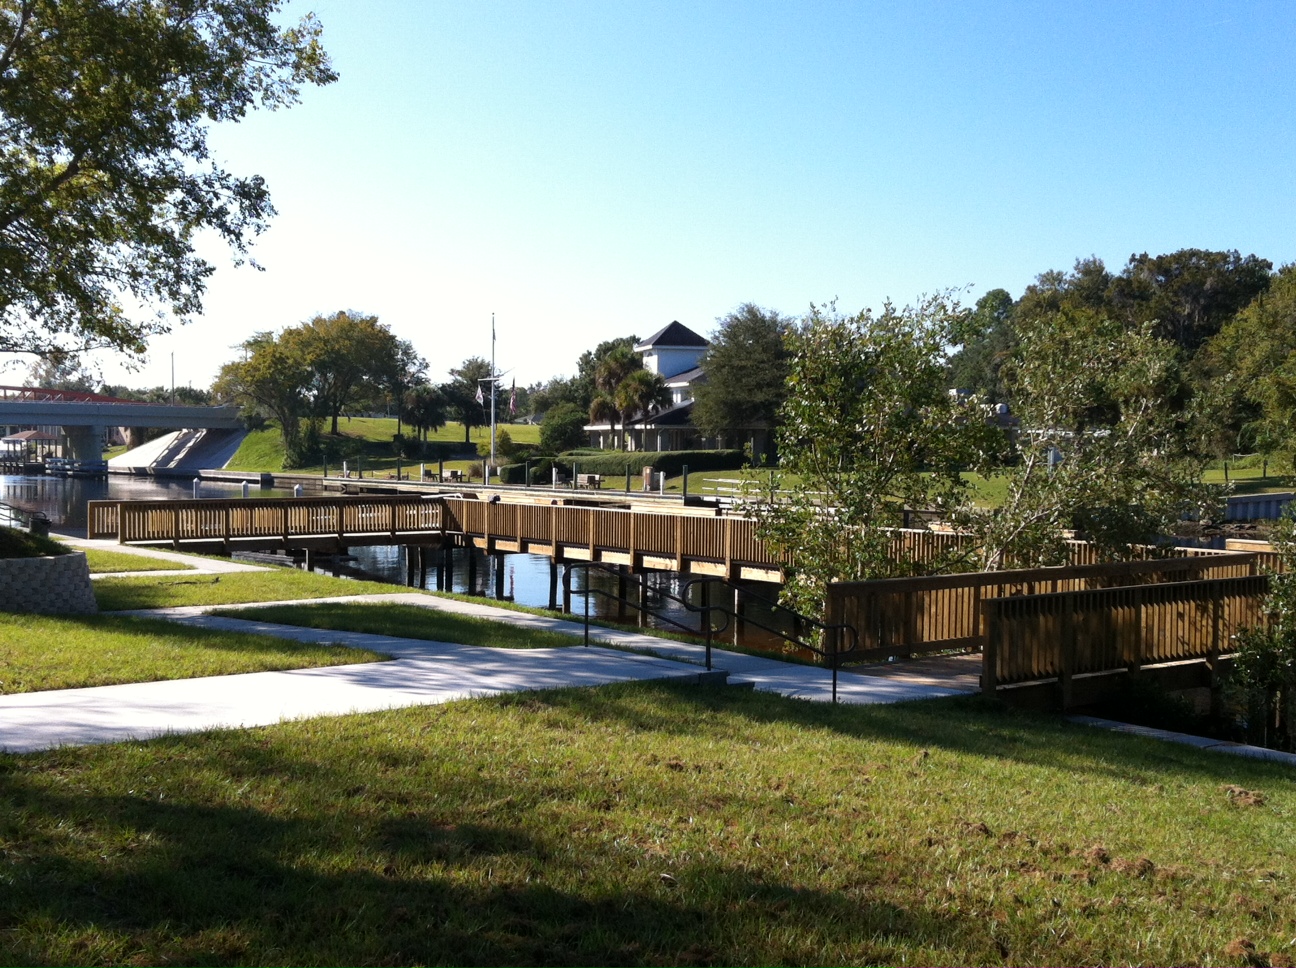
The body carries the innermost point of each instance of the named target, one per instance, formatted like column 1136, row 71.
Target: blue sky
column 586, row 170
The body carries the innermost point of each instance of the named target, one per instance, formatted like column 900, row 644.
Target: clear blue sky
column 586, row 170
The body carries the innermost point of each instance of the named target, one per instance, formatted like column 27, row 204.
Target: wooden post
column 409, row 566
column 1136, row 661
column 1068, row 649
column 472, row 569
column 566, row 596
column 989, row 648
column 621, row 593
column 499, row 577
column 553, row 583
column 1217, row 615
column 728, row 541
column 738, row 603
column 422, row 561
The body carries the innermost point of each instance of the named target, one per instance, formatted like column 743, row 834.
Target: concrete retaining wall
column 48, row 586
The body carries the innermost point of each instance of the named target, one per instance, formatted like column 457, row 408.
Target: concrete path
column 185, row 564
column 420, row 673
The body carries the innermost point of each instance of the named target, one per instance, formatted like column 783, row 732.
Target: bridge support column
column 621, row 592
column 566, row 606
column 499, row 577
column 641, row 613
column 553, row 584
column 409, row 566
column 422, row 561
column 85, row 443
column 738, row 604
column 309, row 562
column 337, row 562
column 472, row 569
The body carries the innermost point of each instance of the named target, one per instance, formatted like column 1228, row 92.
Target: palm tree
column 423, row 408
column 611, row 372
column 640, row 393
column 602, row 408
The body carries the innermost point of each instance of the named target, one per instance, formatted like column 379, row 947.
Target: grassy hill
column 368, row 439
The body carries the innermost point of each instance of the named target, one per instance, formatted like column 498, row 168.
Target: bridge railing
column 660, row 535
column 286, row 518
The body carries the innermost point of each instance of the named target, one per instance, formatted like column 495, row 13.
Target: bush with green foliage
column 1265, row 662
column 23, row 544
column 563, row 427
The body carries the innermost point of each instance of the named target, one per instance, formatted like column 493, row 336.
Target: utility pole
column 492, row 385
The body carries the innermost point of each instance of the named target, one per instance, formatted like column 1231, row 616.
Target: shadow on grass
column 967, row 725
column 375, row 876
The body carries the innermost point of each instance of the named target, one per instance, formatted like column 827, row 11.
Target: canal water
column 525, row 578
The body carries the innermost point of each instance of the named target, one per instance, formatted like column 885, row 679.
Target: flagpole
column 492, row 383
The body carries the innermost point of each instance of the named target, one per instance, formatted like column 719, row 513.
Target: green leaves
column 1100, row 447
column 869, row 429
column 105, row 174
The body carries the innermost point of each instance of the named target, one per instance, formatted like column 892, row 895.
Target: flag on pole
column 480, row 398
column 513, row 399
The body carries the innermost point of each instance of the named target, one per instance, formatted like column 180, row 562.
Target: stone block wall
column 48, row 586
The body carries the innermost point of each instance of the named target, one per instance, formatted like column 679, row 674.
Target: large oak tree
column 105, row 174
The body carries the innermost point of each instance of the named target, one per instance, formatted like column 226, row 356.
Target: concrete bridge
column 84, row 417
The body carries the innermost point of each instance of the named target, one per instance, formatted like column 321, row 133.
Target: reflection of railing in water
column 827, row 650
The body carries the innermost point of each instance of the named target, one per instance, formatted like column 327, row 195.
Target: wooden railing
column 1060, row 636
column 271, row 518
column 679, row 538
column 911, row 616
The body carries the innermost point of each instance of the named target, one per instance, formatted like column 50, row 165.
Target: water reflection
column 63, row 499
column 525, row 579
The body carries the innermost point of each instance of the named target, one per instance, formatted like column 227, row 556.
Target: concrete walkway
column 185, row 564
column 420, row 673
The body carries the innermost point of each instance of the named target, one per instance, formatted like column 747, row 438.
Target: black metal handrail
column 34, row 521
column 832, row 656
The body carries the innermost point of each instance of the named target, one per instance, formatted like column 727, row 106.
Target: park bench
column 590, row 481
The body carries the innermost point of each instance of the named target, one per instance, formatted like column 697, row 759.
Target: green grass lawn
column 273, row 584
column 648, row 824
column 1250, row 480
column 407, row 621
column 103, row 562
column 39, row 652
column 365, row 442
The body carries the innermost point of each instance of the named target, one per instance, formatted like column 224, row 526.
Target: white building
column 673, row 353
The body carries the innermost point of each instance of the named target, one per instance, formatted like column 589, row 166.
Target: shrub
column 1265, row 663
column 22, row 544
column 563, row 427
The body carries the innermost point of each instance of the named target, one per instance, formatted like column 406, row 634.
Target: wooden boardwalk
column 685, row 542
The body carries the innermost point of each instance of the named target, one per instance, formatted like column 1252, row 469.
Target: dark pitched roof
column 676, row 334
column 679, row 415
column 688, row 376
